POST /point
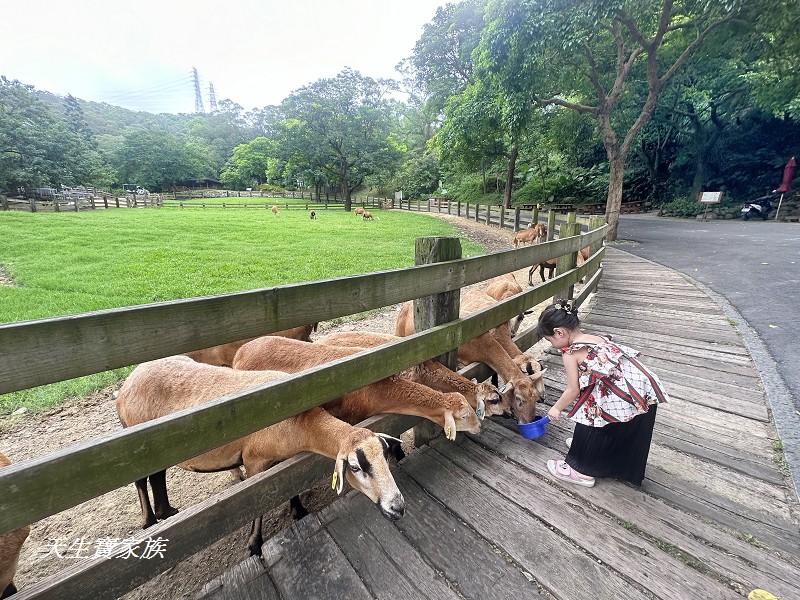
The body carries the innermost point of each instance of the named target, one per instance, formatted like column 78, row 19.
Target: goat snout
column 394, row 509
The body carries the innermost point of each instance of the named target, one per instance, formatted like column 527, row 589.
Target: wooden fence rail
column 44, row 351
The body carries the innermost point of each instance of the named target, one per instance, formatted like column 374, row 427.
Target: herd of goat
column 428, row 390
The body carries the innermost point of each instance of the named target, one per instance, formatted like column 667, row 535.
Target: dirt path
column 116, row 514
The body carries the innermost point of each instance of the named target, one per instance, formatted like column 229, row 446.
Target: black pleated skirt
column 616, row 450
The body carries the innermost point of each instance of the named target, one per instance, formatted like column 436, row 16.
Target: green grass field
column 70, row 263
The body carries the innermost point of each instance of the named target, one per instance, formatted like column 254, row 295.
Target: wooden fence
column 261, row 200
column 34, row 353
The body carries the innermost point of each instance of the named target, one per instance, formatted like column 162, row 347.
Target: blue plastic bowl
column 534, row 429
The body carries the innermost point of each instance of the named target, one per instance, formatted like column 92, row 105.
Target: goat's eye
column 494, row 400
column 355, row 468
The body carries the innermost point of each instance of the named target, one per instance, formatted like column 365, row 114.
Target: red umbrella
column 788, row 173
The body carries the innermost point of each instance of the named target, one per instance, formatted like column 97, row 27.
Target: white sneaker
column 568, row 442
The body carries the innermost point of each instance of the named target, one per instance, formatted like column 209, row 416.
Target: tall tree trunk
column 512, row 166
column 616, row 167
column 345, row 186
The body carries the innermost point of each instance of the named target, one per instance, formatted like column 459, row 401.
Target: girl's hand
column 554, row 414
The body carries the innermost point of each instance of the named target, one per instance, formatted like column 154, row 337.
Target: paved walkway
column 715, row 518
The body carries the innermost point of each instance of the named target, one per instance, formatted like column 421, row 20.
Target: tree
column 157, row 160
column 248, row 165
column 581, row 56
column 343, row 126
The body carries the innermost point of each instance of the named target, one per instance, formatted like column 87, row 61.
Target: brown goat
column 550, row 265
column 503, row 287
column 10, row 546
column 483, row 397
column 161, row 387
column 451, row 411
column 274, row 210
column 222, row 355
column 366, row 215
column 534, row 234
column 359, row 211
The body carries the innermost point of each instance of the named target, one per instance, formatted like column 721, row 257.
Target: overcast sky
column 140, row 54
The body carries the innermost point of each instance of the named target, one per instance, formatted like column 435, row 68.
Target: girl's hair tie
column 568, row 307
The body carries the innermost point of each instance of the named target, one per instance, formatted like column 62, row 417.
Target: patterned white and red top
column 615, row 387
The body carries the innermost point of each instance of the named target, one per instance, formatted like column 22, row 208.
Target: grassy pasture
column 70, row 263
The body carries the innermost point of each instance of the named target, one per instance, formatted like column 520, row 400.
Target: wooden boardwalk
column 715, row 517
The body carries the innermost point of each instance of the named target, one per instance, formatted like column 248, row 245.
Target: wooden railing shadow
column 35, row 353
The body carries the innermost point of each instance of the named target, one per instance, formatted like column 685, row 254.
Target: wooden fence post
column 430, row 311
column 458, row 208
column 477, row 210
column 551, row 225
column 568, row 261
column 516, row 218
column 3, row 202
column 488, row 214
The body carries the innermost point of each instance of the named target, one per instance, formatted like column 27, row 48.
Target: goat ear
column 449, row 425
column 338, row 475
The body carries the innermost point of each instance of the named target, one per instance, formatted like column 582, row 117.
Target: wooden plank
column 671, row 341
column 684, row 331
column 473, row 565
column 246, row 581
column 296, row 557
column 390, row 567
column 715, row 549
column 623, row 554
column 197, row 526
column 745, row 463
column 37, row 352
column 688, row 497
column 569, row 572
column 748, row 495
column 664, row 315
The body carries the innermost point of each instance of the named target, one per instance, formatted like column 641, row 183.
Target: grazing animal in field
column 162, row 387
column 366, row 215
column 534, row 234
column 10, row 546
column 274, row 210
column 313, row 214
column 359, row 211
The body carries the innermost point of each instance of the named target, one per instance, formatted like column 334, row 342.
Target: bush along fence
column 34, row 353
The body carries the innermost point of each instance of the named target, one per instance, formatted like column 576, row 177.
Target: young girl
column 615, row 400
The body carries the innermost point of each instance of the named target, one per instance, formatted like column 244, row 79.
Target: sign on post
column 709, row 198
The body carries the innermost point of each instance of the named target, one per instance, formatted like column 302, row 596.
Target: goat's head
column 522, row 393
column 494, row 403
column 460, row 417
column 362, row 459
